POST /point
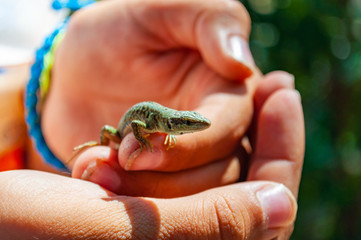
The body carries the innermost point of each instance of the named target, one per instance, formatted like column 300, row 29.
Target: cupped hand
column 52, row 206
column 277, row 139
column 187, row 55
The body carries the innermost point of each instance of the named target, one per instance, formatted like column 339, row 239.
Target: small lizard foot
column 86, row 145
column 146, row 144
column 80, row 148
column 171, row 141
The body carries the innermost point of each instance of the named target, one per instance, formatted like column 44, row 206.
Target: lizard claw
column 86, row 145
column 144, row 143
column 171, row 141
column 78, row 149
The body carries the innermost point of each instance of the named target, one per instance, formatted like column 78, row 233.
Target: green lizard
column 151, row 117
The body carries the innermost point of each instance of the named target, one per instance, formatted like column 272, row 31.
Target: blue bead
column 32, row 118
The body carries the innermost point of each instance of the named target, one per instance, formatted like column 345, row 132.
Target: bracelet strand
column 39, row 83
column 72, row 5
column 32, row 99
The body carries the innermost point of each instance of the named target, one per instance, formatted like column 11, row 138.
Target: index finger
column 280, row 141
column 218, row 29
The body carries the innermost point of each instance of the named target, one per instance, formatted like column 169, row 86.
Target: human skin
column 177, row 53
column 58, row 207
column 199, row 60
column 194, row 68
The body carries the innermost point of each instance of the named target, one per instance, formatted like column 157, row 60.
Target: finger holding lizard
column 227, row 114
column 220, row 34
column 199, row 61
column 101, row 165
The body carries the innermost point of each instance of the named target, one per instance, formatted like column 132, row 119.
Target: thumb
column 222, row 37
column 252, row 210
column 218, row 29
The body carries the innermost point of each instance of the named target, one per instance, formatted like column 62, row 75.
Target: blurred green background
column 319, row 41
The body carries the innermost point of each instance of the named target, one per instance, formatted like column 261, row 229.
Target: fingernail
column 278, row 206
column 240, row 50
column 288, row 78
column 102, row 174
column 144, row 160
column 298, row 94
column 132, row 157
column 291, row 78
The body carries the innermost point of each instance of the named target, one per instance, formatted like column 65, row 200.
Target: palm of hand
column 112, row 70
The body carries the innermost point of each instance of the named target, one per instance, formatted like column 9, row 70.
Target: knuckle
column 238, row 218
column 230, row 224
column 224, row 13
column 230, row 9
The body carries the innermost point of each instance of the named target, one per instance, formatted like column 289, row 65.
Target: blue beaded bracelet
column 72, row 5
column 32, row 98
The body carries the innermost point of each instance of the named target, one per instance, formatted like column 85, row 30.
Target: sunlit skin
column 47, row 201
column 182, row 68
column 119, row 53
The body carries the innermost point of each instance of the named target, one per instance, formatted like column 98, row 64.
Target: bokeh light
column 320, row 43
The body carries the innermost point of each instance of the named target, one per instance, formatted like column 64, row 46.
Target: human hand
column 278, row 140
column 101, row 164
column 39, row 205
column 182, row 54
column 57, row 207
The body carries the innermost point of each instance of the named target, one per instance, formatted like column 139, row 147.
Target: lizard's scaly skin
column 151, row 117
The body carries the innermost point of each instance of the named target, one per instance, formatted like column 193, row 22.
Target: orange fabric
column 13, row 159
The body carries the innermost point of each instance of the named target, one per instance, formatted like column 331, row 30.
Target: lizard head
column 183, row 122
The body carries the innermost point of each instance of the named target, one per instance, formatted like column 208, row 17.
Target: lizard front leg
column 109, row 133
column 137, row 127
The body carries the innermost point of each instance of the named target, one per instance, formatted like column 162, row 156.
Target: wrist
column 39, row 83
column 33, row 99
